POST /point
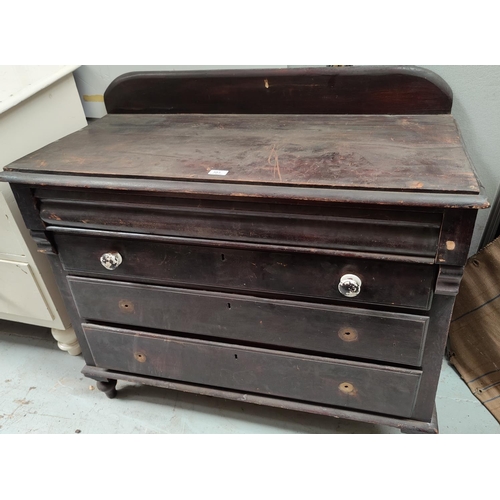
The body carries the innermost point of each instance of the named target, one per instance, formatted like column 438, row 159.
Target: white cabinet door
column 19, row 292
column 10, row 243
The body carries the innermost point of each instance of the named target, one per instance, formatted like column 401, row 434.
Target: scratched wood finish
column 254, row 193
column 308, row 378
column 403, row 153
column 383, row 232
column 383, row 336
column 456, row 234
column 347, row 90
column 238, row 245
column 265, row 272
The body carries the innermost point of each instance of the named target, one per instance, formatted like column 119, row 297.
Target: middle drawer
column 357, row 333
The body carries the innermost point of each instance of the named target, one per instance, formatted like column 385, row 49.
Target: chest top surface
column 372, row 152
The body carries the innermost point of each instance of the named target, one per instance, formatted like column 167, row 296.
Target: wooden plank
column 380, row 336
column 358, row 386
column 347, row 90
column 250, row 271
column 247, row 192
column 402, row 153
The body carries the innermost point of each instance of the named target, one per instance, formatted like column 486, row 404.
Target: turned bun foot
column 109, row 388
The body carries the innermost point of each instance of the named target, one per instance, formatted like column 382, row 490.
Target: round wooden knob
column 350, row 285
column 111, row 260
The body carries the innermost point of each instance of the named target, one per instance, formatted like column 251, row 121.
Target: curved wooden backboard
column 401, row 90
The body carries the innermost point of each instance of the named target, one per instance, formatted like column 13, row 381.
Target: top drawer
column 155, row 259
column 356, row 229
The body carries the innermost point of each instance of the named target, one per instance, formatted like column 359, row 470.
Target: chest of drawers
column 289, row 238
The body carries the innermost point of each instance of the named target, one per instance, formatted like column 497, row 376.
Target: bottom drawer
column 314, row 379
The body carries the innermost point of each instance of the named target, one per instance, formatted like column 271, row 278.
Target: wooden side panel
column 455, row 237
column 251, row 271
column 348, row 90
column 435, row 343
column 382, row 336
column 306, row 378
column 27, row 204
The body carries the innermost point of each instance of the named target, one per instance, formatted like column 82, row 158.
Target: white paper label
column 218, row 172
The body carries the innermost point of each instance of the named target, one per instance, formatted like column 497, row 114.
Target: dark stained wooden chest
column 293, row 238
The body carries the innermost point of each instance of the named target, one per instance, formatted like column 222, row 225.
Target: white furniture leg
column 66, row 341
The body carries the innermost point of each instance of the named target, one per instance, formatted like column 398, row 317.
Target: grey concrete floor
column 42, row 391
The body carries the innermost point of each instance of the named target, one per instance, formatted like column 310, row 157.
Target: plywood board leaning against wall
column 474, row 341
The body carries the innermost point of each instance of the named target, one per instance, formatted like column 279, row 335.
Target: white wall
column 476, row 108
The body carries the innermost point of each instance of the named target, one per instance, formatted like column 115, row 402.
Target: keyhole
column 347, row 388
column 140, row 357
column 348, row 334
column 222, row 257
column 235, row 356
column 126, row 306
column 229, row 305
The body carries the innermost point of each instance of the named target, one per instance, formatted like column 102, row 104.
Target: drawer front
column 253, row 271
column 313, row 379
column 347, row 228
column 382, row 336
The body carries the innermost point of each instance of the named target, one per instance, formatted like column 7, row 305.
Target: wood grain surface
column 361, row 386
column 323, row 90
column 359, row 333
column 401, row 153
column 277, row 274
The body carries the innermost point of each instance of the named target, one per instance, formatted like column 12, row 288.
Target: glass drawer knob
column 350, row 285
column 111, row 260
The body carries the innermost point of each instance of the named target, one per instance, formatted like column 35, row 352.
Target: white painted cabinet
column 38, row 105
